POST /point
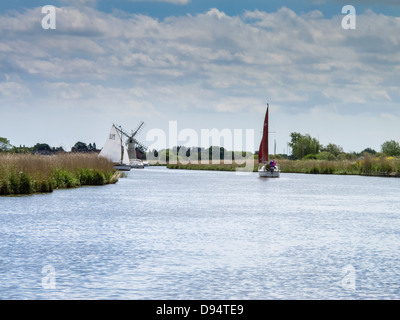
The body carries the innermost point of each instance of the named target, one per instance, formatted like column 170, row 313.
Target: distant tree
column 21, row 149
column 347, row 156
column 333, row 149
column 310, row 157
column 303, row 145
column 325, row 155
column 80, row 147
column 41, row 147
column 368, row 150
column 391, row 148
column 5, row 144
column 59, row 149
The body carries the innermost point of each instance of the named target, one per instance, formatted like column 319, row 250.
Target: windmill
column 134, row 146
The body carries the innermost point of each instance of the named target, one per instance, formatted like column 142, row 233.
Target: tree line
column 307, row 147
column 44, row 148
column 302, row 147
column 196, row 154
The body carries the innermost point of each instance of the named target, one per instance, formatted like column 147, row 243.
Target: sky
column 200, row 65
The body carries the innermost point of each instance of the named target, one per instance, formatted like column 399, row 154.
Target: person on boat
column 272, row 164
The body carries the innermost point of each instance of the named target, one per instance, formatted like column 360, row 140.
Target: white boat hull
column 265, row 172
column 122, row 167
column 136, row 164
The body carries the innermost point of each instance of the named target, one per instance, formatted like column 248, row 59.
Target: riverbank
column 369, row 166
column 22, row 174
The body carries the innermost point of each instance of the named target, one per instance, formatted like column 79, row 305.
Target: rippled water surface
column 172, row 234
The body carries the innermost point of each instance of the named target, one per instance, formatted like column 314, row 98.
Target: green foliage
column 41, row 147
column 391, row 148
column 26, row 184
column 325, row 155
column 44, row 186
column 368, row 150
column 80, row 147
column 17, row 183
column 303, row 145
column 310, row 157
column 62, row 178
column 4, row 187
column 4, row 144
column 333, row 149
column 346, row 156
column 92, row 177
column 27, row 173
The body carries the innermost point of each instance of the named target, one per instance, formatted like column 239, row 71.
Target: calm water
column 169, row 234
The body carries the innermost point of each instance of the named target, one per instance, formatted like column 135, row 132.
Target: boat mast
column 267, row 131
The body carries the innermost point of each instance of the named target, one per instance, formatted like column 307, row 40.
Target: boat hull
column 265, row 172
column 122, row 167
column 136, row 164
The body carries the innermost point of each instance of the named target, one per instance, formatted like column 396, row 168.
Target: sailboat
column 266, row 169
column 115, row 151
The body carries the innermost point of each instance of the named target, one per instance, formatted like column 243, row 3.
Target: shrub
column 310, row 157
column 325, row 155
column 99, row 178
column 64, row 179
column 26, row 184
column 13, row 184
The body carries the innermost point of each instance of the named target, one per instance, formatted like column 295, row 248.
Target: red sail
column 263, row 151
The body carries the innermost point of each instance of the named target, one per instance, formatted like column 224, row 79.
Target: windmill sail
column 263, row 151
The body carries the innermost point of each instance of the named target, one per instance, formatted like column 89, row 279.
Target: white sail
column 125, row 159
column 112, row 147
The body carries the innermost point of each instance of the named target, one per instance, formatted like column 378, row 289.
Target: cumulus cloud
column 79, row 2
column 209, row 62
column 282, row 54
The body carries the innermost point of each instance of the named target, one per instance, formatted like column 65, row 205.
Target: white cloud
column 79, row 2
column 209, row 62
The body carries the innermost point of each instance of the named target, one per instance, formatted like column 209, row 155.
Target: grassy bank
column 28, row 174
column 384, row 166
column 208, row 166
column 366, row 166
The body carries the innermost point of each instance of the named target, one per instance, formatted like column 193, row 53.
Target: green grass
column 28, row 174
column 366, row 166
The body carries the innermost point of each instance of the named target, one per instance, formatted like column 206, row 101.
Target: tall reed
column 27, row 173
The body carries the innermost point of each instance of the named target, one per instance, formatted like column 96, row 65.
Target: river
column 177, row 234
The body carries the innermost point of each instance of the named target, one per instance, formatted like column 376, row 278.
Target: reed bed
column 28, row 174
column 203, row 165
column 384, row 166
column 367, row 166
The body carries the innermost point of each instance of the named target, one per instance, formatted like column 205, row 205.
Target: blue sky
column 162, row 9
column 205, row 64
